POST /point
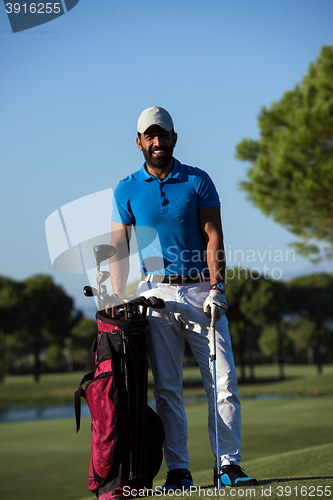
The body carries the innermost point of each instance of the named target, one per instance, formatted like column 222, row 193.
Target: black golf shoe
column 233, row 475
column 178, row 479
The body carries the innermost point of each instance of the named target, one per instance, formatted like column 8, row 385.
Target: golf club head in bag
column 90, row 291
column 149, row 302
column 102, row 276
column 156, row 303
column 105, row 301
column 102, row 253
column 153, row 302
column 135, row 308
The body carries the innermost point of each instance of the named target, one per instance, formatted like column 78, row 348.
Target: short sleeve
column 207, row 194
column 121, row 209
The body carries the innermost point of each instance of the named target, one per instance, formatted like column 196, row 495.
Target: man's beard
column 158, row 162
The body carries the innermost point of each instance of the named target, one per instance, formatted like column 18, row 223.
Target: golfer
column 175, row 212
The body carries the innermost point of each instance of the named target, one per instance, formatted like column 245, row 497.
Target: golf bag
column 127, row 435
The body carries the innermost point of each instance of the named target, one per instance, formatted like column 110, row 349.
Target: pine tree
column 291, row 175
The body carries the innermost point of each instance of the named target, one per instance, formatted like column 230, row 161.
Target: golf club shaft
column 99, row 298
column 213, row 336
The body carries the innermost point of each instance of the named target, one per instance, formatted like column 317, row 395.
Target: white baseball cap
column 154, row 116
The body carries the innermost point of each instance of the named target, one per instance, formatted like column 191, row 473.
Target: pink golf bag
column 127, row 435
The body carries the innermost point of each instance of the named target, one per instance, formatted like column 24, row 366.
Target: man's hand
column 218, row 299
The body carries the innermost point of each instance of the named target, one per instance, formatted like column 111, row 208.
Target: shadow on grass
column 262, row 482
column 289, row 479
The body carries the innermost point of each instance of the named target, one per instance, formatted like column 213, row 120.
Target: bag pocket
column 100, row 400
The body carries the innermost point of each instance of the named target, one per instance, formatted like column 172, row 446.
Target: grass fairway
column 268, row 428
column 22, row 390
column 44, row 460
column 286, row 443
column 59, row 388
column 305, row 473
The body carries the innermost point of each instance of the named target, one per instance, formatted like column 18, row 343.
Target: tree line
column 269, row 321
column 40, row 328
column 281, row 321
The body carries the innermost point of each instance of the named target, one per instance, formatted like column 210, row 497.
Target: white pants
column 184, row 309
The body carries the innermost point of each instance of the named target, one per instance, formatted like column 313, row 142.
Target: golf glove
column 219, row 300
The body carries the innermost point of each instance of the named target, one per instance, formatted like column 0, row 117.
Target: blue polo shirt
column 164, row 214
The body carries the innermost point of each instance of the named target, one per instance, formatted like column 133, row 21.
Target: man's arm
column 210, row 220
column 119, row 263
column 211, row 225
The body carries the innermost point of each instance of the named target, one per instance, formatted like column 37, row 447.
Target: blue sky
column 72, row 91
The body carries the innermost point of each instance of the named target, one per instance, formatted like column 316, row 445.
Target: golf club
column 102, row 253
column 132, row 302
column 135, row 301
column 213, row 338
column 102, row 276
column 156, row 303
column 153, row 302
column 102, row 292
column 127, row 308
column 90, row 291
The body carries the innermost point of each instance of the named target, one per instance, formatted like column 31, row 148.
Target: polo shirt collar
column 177, row 172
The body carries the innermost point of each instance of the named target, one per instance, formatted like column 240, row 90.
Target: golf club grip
column 153, row 302
column 156, row 303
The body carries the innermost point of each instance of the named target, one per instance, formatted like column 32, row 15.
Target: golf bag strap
column 77, row 397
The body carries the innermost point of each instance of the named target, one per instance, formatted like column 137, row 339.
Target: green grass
column 22, row 390
column 268, row 428
column 44, row 460
column 296, row 474
column 299, row 379
column 285, row 443
column 59, row 388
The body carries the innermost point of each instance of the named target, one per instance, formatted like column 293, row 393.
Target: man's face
column 157, row 146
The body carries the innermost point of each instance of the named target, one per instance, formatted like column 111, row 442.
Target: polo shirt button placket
column 164, row 199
